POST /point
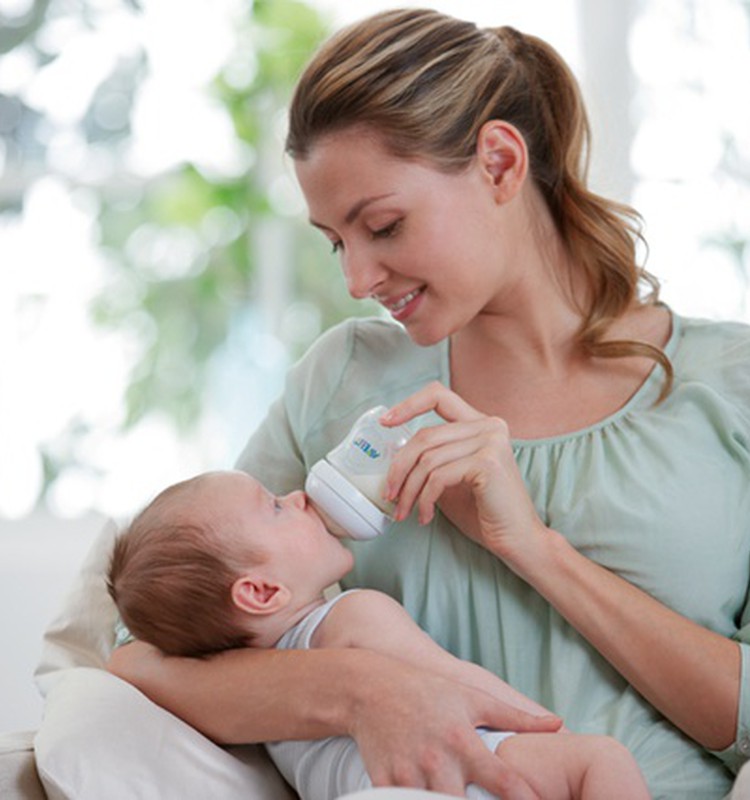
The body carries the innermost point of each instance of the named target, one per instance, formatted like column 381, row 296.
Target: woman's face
column 424, row 243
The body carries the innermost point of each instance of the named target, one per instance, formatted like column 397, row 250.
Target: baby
column 218, row 562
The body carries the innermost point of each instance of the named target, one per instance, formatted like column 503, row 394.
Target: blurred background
column 157, row 275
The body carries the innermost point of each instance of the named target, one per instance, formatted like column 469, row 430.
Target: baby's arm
column 373, row 620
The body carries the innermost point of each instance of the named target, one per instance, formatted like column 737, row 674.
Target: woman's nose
column 363, row 274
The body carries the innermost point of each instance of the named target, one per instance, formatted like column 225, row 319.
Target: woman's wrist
column 369, row 678
column 539, row 554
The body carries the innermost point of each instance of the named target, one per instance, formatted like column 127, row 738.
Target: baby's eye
column 387, row 231
column 276, row 504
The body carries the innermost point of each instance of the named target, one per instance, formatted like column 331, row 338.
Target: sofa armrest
column 18, row 776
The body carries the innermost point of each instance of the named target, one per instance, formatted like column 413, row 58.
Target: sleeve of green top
column 275, row 453
column 738, row 752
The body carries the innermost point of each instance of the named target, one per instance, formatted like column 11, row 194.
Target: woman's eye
column 387, row 231
column 336, row 246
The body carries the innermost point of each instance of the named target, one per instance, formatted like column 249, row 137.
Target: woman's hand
column 416, row 729
column 468, row 468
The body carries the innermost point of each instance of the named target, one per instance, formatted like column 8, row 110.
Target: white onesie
column 325, row 769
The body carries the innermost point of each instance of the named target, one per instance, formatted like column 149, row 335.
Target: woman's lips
column 405, row 305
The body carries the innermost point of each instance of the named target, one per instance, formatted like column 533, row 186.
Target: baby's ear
column 256, row 595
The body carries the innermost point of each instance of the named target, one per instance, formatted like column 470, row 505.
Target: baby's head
column 210, row 560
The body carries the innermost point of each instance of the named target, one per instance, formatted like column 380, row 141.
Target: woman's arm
column 242, row 696
column 690, row 674
column 413, row 728
column 372, row 620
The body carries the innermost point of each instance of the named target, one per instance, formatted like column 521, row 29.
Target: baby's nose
column 297, row 498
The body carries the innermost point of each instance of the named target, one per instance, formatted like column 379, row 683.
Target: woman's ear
column 256, row 595
column 503, row 158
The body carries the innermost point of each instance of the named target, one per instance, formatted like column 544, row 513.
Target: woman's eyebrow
column 356, row 209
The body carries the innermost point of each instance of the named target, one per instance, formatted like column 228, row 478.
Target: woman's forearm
column 413, row 728
column 242, row 696
column 690, row 674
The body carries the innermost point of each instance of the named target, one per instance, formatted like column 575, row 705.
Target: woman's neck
column 520, row 358
column 537, row 314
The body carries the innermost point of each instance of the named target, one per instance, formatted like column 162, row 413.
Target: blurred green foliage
column 181, row 248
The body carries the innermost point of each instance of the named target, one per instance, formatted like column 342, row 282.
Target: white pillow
column 101, row 738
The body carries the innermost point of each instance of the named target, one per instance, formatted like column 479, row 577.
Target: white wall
column 39, row 557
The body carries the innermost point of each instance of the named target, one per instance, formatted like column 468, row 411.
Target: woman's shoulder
column 370, row 345
column 715, row 353
column 371, row 336
column 357, row 364
column 717, row 342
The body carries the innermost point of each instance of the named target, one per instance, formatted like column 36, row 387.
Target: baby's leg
column 567, row 766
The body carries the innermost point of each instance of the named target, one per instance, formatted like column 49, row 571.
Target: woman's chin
column 423, row 336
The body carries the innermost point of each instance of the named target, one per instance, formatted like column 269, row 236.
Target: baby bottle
column 347, row 485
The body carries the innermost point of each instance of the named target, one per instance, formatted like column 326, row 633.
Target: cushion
column 18, row 778
column 101, row 738
column 741, row 790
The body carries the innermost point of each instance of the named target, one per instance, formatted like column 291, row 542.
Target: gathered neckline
column 646, row 392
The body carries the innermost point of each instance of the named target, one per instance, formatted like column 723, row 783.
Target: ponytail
column 600, row 235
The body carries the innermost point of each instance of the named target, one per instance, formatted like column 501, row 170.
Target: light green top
column 659, row 494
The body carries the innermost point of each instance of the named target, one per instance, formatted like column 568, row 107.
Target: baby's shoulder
column 355, row 616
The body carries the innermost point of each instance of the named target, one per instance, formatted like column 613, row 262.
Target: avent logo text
column 366, row 448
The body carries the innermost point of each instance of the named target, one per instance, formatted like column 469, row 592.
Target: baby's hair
column 171, row 580
column 426, row 83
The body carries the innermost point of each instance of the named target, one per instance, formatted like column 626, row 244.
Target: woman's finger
column 499, row 779
column 424, row 490
column 432, row 449
column 433, row 397
column 425, row 453
column 435, row 436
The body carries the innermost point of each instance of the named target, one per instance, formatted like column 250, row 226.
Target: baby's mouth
column 331, row 525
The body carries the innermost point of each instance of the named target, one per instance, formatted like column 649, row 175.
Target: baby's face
column 287, row 530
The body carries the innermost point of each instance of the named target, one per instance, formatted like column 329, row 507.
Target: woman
column 591, row 543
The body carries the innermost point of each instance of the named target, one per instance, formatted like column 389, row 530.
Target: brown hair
column 427, row 82
column 171, row 581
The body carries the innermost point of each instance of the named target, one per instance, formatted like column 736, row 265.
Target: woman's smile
column 404, row 306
